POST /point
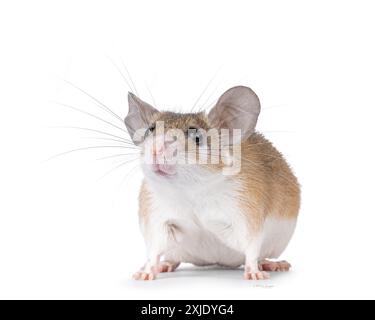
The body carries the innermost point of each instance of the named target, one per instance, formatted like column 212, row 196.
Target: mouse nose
column 160, row 146
column 158, row 149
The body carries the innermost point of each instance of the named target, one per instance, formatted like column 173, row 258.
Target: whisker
column 122, row 75
column 81, row 149
column 90, row 114
column 117, row 155
column 205, row 89
column 219, row 152
column 131, row 79
column 128, row 174
column 203, row 107
column 94, row 130
column 211, row 104
column 128, row 145
column 151, row 95
column 115, row 168
column 259, row 165
column 99, row 103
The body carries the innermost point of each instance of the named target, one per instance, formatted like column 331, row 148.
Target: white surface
column 63, row 234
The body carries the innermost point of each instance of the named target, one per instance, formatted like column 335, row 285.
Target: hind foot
column 274, row 266
column 168, row 266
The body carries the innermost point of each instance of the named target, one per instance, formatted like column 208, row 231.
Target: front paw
column 146, row 274
column 259, row 275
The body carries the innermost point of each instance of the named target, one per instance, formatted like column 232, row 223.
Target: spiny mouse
column 215, row 191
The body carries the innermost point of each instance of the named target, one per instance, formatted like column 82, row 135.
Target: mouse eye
column 196, row 135
column 150, row 130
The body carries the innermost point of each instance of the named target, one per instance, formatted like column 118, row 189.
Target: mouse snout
column 157, row 151
column 160, row 150
column 162, row 157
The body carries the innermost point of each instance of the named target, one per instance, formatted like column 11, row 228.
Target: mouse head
column 191, row 146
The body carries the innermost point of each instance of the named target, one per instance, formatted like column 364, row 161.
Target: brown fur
column 268, row 185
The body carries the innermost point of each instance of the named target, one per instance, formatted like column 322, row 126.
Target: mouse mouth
column 164, row 169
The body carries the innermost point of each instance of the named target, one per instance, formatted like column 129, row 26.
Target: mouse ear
column 237, row 108
column 139, row 116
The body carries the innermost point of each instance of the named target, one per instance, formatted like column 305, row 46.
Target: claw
column 260, row 275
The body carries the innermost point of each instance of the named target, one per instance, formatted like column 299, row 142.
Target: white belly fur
column 203, row 247
column 210, row 229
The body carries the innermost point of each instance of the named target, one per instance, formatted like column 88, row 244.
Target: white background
column 65, row 233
